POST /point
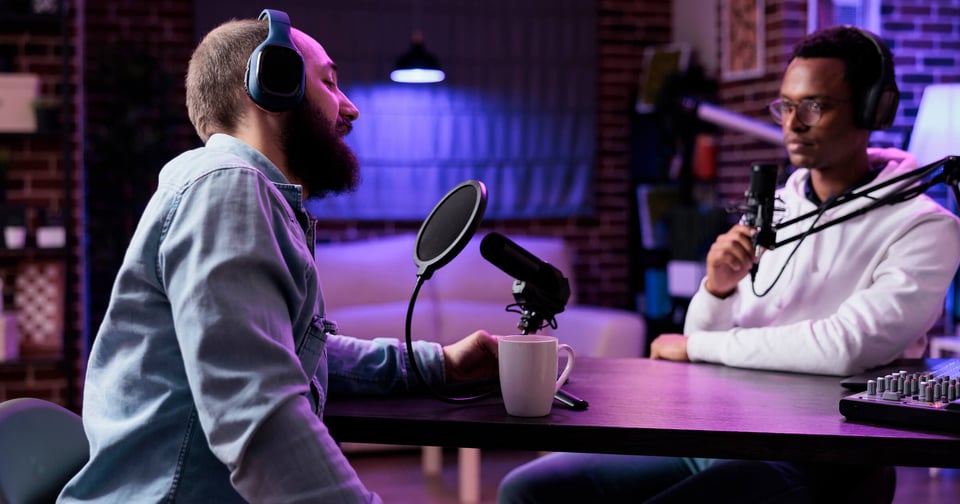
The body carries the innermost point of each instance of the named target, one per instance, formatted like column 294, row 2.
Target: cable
column 413, row 359
column 950, row 175
column 820, row 211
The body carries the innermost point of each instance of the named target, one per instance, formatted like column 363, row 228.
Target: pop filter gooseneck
column 445, row 232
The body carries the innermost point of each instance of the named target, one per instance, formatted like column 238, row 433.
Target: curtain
column 517, row 110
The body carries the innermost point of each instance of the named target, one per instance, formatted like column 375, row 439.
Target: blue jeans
column 584, row 477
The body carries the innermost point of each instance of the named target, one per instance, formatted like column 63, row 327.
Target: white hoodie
column 853, row 296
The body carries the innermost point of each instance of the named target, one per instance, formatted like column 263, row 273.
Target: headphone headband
column 275, row 71
column 882, row 97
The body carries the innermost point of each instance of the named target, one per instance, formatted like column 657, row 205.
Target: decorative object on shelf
column 14, row 227
column 45, row 6
column 50, row 231
column 9, row 336
column 17, row 93
column 659, row 63
column 38, row 300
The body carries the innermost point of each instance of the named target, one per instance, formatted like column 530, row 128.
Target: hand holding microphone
column 760, row 200
column 737, row 252
column 729, row 260
column 761, row 197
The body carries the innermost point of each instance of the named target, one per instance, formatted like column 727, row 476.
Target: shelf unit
column 24, row 32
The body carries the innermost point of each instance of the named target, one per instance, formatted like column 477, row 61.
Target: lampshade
column 417, row 65
column 936, row 132
column 935, row 136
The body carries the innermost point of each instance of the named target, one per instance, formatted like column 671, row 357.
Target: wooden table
column 642, row 406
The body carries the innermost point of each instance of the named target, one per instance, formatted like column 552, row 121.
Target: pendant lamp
column 417, row 65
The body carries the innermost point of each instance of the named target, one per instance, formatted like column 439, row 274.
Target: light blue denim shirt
column 207, row 379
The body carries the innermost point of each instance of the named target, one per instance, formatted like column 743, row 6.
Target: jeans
column 583, row 477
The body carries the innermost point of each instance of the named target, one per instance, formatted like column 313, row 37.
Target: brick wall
column 785, row 23
column 924, row 37
column 39, row 165
column 925, row 40
column 161, row 34
column 137, row 54
column 604, row 242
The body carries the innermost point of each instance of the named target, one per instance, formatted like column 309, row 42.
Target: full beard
column 317, row 156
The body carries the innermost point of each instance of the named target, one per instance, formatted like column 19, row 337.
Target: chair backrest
column 42, row 445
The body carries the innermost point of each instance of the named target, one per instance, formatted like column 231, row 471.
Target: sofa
column 368, row 283
column 367, row 286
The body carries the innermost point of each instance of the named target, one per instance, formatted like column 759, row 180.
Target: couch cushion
column 385, row 320
column 363, row 272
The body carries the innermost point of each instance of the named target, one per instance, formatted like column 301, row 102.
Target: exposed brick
column 917, row 78
column 940, row 28
column 939, row 62
column 917, row 44
column 915, row 10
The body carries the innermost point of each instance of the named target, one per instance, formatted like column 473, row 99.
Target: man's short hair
column 863, row 65
column 215, row 90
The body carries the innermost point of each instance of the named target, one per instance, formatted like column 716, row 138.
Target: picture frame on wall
column 659, row 63
column 742, row 39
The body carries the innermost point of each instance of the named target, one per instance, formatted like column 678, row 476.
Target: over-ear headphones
column 275, row 71
column 880, row 101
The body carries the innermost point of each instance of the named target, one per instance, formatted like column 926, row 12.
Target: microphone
column 517, row 262
column 759, row 209
column 540, row 288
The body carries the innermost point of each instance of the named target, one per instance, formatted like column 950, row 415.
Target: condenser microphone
column 519, row 263
column 759, row 209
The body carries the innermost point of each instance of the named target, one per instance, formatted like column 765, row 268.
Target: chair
column 42, row 445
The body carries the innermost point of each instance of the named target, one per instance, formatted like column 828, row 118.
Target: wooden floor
column 398, row 478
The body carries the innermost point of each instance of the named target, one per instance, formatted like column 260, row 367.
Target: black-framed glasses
column 808, row 110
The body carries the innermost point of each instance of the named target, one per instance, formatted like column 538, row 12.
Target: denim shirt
column 208, row 376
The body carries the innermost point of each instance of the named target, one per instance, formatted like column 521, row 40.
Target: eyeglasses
column 808, row 110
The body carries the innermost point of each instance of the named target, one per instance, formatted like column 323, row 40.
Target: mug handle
column 571, row 357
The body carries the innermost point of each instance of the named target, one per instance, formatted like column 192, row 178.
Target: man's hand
column 472, row 358
column 729, row 260
column 670, row 347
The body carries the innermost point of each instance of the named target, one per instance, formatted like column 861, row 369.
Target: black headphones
column 275, row 71
column 882, row 96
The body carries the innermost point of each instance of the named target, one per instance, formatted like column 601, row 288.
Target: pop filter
column 444, row 233
column 449, row 227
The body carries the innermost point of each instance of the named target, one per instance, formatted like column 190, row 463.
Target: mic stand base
column 530, row 322
column 571, row 401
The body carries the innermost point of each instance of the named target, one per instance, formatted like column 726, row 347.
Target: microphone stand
column 537, row 308
column 950, row 175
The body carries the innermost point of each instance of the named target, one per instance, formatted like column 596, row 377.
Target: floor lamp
column 936, row 134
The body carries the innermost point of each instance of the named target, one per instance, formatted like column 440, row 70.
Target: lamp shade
column 936, row 132
column 417, row 65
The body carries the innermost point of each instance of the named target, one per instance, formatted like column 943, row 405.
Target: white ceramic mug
column 528, row 373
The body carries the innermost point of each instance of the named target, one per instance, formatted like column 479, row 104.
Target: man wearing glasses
column 853, row 296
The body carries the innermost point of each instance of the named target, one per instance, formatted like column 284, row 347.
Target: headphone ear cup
column 885, row 109
column 275, row 76
column 881, row 99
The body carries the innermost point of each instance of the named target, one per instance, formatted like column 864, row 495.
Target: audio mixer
column 918, row 400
